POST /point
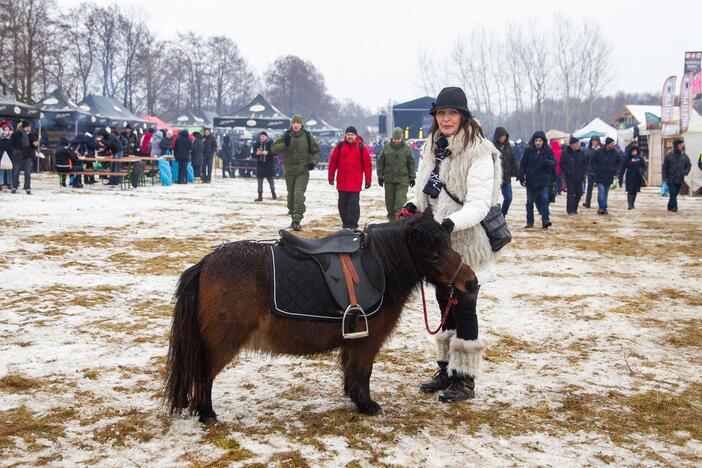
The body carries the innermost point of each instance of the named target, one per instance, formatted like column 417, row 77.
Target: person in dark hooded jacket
column 209, row 146
column 261, row 151
column 676, row 166
column 605, row 164
column 182, row 149
column 197, row 155
column 593, row 147
column 573, row 168
column 226, row 154
column 65, row 160
column 631, row 174
column 535, row 170
column 510, row 167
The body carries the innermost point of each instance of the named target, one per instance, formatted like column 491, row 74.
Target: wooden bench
column 121, row 174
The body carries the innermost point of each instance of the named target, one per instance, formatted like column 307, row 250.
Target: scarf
column 434, row 184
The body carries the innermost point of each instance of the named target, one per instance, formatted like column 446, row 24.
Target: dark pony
column 222, row 305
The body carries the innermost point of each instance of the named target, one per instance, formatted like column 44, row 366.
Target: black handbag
column 495, row 226
column 494, row 223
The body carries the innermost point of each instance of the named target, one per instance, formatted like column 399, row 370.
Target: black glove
column 381, row 181
column 448, row 225
column 411, row 182
column 368, row 186
column 310, row 166
column 331, row 182
column 286, row 138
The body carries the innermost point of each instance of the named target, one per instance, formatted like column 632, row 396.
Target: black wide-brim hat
column 451, row 97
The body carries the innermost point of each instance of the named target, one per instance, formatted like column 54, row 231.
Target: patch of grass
column 290, row 459
column 21, row 423
column 18, row 383
column 220, row 436
column 687, row 333
column 507, row 347
column 129, row 425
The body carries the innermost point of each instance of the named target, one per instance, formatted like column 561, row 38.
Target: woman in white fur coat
column 459, row 180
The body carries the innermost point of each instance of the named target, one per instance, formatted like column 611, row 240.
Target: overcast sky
column 367, row 49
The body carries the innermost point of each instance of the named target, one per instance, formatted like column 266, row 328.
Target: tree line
column 532, row 75
column 111, row 51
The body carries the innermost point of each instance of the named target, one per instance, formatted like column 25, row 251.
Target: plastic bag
column 190, row 172
column 5, row 162
column 664, row 189
column 164, row 170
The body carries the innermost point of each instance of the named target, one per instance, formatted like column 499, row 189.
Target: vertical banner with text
column 685, row 101
column 693, row 63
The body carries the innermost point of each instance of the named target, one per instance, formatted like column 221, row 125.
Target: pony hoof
column 372, row 409
column 208, row 420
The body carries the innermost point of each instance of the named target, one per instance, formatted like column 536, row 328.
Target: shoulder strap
column 309, row 141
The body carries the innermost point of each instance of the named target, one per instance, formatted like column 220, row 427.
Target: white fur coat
column 473, row 175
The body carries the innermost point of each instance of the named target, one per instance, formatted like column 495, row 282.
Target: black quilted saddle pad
column 299, row 289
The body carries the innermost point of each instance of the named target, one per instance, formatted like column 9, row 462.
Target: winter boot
column 461, row 388
column 440, row 381
column 274, row 196
column 296, row 226
column 260, row 197
column 441, row 378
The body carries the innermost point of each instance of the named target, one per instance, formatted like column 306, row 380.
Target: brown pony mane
column 392, row 244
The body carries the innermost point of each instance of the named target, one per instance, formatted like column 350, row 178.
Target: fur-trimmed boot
column 463, row 368
column 440, row 380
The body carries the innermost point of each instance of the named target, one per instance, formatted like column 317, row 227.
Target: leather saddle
column 309, row 281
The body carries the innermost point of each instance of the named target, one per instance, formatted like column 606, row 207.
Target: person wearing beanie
column 459, row 180
column 676, row 165
column 209, row 147
column 300, row 152
column 349, row 163
column 510, row 167
column 396, row 172
column 573, row 168
column 65, row 160
column 265, row 164
column 631, row 172
column 605, row 165
column 535, row 171
column 130, row 142
column 24, row 144
column 593, row 147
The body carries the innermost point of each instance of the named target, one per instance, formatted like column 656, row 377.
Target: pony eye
column 433, row 258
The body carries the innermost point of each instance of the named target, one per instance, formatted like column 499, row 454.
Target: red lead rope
column 451, row 302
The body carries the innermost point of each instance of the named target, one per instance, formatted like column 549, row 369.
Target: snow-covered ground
column 594, row 329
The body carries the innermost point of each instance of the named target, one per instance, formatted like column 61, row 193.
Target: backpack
column 288, row 135
column 338, row 147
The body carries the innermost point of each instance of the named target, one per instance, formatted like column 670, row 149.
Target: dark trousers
column 590, row 186
column 207, row 169
column 271, row 184
column 540, row 197
column 462, row 317
column 20, row 163
column 76, row 167
column 226, row 162
column 182, row 171
column 349, row 209
column 574, row 193
column 115, row 167
column 197, row 171
column 674, row 190
column 631, row 199
column 506, row 197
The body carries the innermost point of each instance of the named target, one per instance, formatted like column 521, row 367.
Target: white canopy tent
column 598, row 126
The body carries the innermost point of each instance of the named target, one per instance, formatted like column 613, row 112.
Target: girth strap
column 350, row 277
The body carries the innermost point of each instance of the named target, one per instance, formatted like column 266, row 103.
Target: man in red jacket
column 349, row 162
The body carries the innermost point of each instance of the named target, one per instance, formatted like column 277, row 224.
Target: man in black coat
column 114, row 147
column 535, row 169
column 573, row 166
column 593, row 147
column 24, row 143
column 605, row 164
column 131, row 145
column 261, row 150
column 676, row 166
column 209, row 146
column 510, row 167
column 181, row 151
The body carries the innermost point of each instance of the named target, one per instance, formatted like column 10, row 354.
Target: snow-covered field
column 594, row 329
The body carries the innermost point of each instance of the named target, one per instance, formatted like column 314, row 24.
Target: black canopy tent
column 60, row 113
column 321, row 128
column 115, row 114
column 413, row 116
column 12, row 109
column 259, row 113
